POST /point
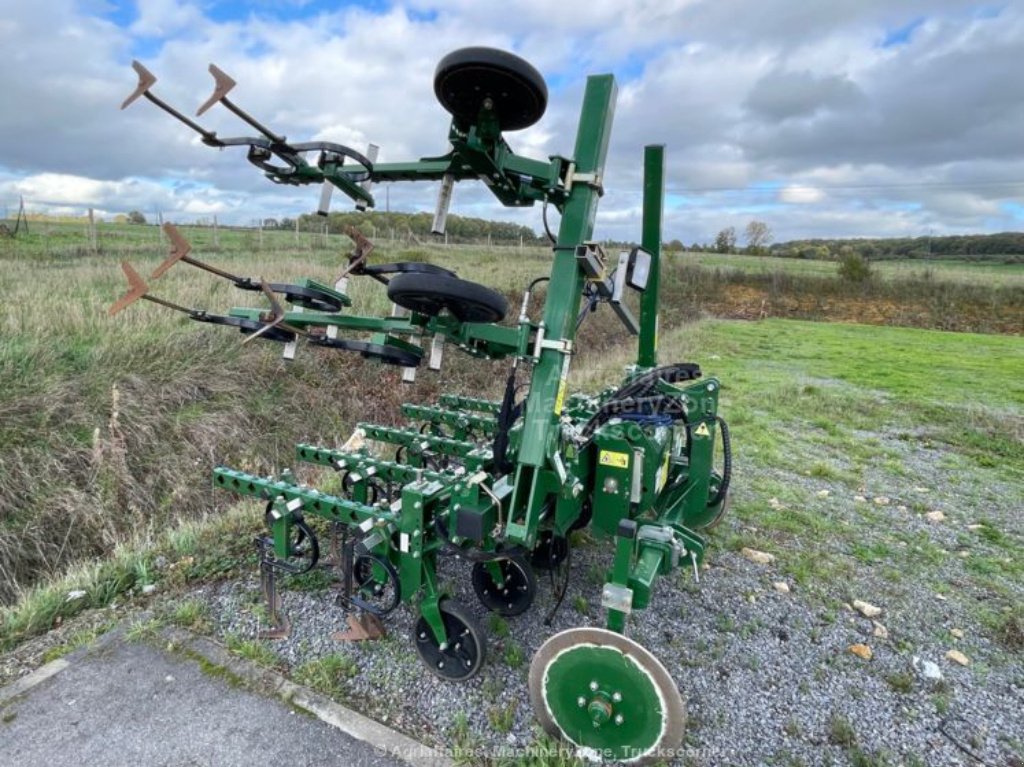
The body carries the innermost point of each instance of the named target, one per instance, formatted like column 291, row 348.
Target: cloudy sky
column 838, row 118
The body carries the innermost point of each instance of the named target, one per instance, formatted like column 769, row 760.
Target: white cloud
column 800, row 194
column 795, row 113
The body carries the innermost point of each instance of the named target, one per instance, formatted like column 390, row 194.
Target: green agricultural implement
column 502, row 484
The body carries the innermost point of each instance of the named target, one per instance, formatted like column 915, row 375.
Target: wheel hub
column 607, row 695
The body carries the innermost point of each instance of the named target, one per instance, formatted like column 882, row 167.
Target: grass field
column 91, row 403
column 948, row 270
column 873, row 462
column 848, row 440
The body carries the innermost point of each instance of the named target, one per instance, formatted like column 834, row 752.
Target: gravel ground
column 766, row 670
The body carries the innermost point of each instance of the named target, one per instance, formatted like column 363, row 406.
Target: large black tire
column 431, row 293
column 466, row 77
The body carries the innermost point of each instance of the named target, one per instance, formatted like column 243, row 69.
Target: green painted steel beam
column 456, row 402
column 461, row 421
column 653, row 206
column 313, row 501
column 549, row 379
column 474, row 456
column 367, row 465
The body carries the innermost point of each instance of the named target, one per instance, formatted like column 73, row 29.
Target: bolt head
column 593, row 686
column 581, row 701
column 617, row 697
column 619, row 719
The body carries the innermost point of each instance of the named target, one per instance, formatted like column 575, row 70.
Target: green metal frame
column 647, row 484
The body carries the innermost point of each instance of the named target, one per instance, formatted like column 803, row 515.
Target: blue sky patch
column 902, row 35
column 287, row 10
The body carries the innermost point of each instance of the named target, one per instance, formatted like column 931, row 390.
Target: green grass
column 973, row 272
column 327, row 675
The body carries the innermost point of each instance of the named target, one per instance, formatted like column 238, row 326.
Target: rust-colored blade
column 367, row 627
column 146, row 81
column 363, row 245
column 180, row 248
column 276, row 311
column 137, row 288
column 222, row 85
column 281, row 631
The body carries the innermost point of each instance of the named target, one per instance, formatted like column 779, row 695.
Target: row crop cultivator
column 502, row 483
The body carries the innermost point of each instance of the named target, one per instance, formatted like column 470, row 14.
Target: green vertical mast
column 654, row 196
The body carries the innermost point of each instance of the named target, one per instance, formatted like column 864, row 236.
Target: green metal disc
column 608, row 696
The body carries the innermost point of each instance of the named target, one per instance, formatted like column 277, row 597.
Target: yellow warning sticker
column 611, row 458
column 662, row 474
column 702, row 431
column 560, row 399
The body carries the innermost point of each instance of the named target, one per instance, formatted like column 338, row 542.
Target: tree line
column 757, row 239
column 402, row 225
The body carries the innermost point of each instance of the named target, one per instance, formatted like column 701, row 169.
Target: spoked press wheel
column 511, row 592
column 465, row 650
column 608, row 696
column 431, row 293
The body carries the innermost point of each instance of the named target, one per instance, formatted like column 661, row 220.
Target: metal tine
column 137, row 288
column 180, row 249
column 278, row 313
column 371, row 154
column 222, row 85
column 146, row 81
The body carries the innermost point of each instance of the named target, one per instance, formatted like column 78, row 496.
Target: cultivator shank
column 502, row 484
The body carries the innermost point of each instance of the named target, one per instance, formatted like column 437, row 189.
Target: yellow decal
column 702, row 431
column 562, row 385
column 618, row 460
column 662, row 474
column 560, row 399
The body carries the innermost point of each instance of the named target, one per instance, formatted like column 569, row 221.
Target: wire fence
column 23, row 230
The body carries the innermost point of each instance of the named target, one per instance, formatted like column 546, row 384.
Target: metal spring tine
column 222, row 85
column 146, row 81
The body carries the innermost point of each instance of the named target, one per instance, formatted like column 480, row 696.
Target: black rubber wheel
column 586, row 514
column 467, row 645
column 245, row 326
column 465, row 78
column 429, row 294
column 381, row 596
column 389, row 355
column 515, row 596
column 550, row 551
column 303, row 546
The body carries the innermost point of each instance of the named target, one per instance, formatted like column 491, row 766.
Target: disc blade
column 608, row 696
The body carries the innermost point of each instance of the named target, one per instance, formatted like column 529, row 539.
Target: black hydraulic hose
column 723, row 486
column 506, row 417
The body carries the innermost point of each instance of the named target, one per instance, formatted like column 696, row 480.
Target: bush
column 853, row 267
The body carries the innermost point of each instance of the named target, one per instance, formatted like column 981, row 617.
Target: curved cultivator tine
column 180, row 248
column 137, row 288
column 146, row 81
column 222, row 85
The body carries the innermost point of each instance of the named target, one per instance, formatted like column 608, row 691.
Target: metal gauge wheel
column 429, row 294
column 464, row 652
column 509, row 592
column 608, row 696
column 303, row 546
column 380, row 588
column 470, row 79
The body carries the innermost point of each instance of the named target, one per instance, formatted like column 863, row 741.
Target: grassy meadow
column 110, row 425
